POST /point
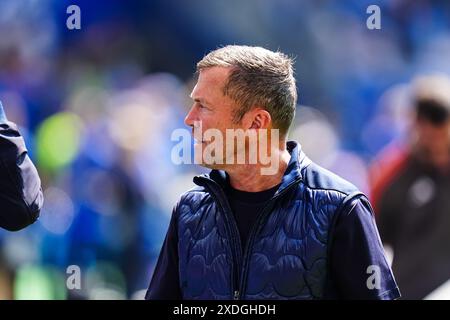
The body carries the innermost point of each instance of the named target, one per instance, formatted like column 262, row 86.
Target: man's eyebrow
column 200, row 100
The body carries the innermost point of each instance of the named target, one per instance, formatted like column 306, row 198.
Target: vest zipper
column 232, row 229
column 241, row 258
column 254, row 231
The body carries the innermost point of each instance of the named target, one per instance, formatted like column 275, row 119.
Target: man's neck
column 249, row 178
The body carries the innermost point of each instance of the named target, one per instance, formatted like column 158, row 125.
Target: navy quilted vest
column 286, row 254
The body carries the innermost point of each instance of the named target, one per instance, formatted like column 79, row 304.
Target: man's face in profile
column 211, row 110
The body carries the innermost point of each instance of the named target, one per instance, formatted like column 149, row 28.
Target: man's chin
column 210, row 165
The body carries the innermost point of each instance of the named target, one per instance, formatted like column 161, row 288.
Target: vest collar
column 292, row 173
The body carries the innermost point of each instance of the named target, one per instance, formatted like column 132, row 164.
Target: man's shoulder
column 191, row 198
column 318, row 178
column 331, row 189
column 192, row 192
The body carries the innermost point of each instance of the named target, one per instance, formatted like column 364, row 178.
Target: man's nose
column 190, row 118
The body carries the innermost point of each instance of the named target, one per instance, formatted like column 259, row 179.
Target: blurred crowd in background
column 97, row 107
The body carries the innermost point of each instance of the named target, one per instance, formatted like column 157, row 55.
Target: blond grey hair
column 258, row 77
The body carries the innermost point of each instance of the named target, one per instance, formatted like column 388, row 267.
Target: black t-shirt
column 246, row 207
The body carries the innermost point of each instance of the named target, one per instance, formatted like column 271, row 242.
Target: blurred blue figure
column 21, row 195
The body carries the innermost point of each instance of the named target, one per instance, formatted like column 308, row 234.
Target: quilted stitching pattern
column 288, row 259
column 204, row 254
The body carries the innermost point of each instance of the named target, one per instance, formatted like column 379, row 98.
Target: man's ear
column 259, row 119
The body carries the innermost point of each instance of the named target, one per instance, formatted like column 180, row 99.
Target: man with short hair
column 292, row 231
column 21, row 196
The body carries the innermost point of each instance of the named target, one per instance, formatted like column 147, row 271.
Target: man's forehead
column 210, row 80
column 217, row 73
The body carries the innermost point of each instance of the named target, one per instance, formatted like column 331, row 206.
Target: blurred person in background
column 21, row 195
column 300, row 233
column 410, row 192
